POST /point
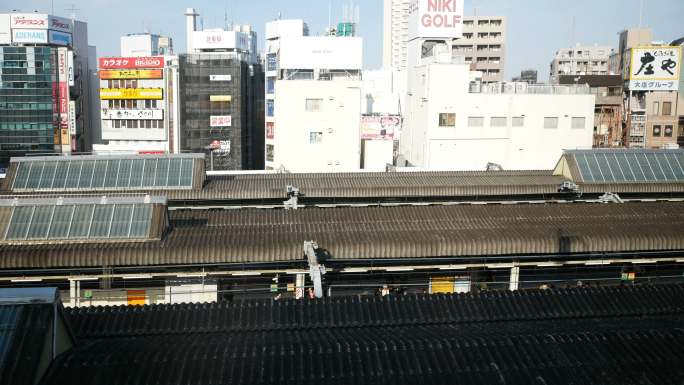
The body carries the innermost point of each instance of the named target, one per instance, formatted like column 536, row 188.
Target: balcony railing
column 524, row 88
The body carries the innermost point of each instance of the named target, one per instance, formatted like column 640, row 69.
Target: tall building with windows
column 395, row 33
column 221, row 97
column 483, row 45
column 44, row 91
column 313, row 99
column 580, row 60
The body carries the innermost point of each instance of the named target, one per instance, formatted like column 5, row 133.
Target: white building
column 580, row 60
column 139, row 99
column 455, row 122
column 313, row 99
column 146, row 44
column 395, row 34
column 484, row 45
column 241, row 40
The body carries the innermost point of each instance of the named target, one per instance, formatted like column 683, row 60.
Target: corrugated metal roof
column 243, row 236
column 592, row 336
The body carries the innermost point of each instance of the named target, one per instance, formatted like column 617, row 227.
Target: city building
column 146, row 44
column 483, row 42
column 383, row 94
column 45, row 92
column 395, row 33
column 580, row 60
column 651, row 98
column 313, row 99
column 221, row 97
column 139, row 104
column 455, row 120
column 527, row 76
column 607, row 90
column 483, row 45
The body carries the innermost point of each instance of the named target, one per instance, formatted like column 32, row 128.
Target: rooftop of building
column 622, row 335
column 456, row 233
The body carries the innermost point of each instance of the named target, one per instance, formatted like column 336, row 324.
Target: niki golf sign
column 436, row 18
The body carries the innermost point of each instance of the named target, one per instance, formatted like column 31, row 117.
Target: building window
column 313, row 105
column 272, row 62
column 668, row 131
column 269, row 108
column 656, row 108
column 315, row 137
column 270, row 127
column 518, row 121
column 656, row 130
column 475, row 121
column 447, row 120
column 116, row 123
column 270, row 85
column 497, row 121
column 269, row 153
column 578, row 122
column 550, row 122
column 667, row 108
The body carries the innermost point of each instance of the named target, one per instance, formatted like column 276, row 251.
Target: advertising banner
column 655, row 68
column 131, row 74
column 132, row 114
column 131, row 62
column 29, row 20
column 62, row 72
column 31, row 36
column 435, row 19
column 59, row 38
column 220, row 121
column 219, row 78
column 60, row 24
column 70, row 68
column 220, row 98
column 220, row 40
column 308, row 52
column 5, row 31
column 381, row 127
column 131, row 93
column 270, row 130
column 72, row 118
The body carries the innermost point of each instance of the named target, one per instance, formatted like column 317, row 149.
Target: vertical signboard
column 70, row 68
column 5, row 31
column 435, row 19
column 655, row 68
column 63, row 89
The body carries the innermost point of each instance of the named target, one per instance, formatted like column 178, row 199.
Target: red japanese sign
column 132, row 62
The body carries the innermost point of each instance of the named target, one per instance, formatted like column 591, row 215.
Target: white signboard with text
column 5, row 31
column 219, row 78
column 132, row 114
column 308, row 52
column 31, row 36
column 218, row 39
column 435, row 19
column 655, row 68
column 220, row 121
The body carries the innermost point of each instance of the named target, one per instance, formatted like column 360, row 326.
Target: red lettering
column 426, row 21
column 433, row 5
column 448, row 5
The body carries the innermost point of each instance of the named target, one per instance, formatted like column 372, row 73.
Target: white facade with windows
column 313, row 99
column 580, row 60
column 456, row 123
column 142, row 125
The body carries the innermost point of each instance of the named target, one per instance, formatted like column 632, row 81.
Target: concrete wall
column 338, row 120
column 443, row 88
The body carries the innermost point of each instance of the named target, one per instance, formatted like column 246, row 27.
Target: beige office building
column 483, row 45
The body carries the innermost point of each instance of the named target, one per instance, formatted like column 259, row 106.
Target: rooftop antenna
column 641, row 12
column 52, row 2
column 329, row 13
column 72, row 8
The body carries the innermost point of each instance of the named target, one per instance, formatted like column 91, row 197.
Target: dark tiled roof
column 243, row 236
column 581, row 336
column 592, row 80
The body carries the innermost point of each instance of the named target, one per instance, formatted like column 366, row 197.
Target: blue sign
column 29, row 36
column 60, row 38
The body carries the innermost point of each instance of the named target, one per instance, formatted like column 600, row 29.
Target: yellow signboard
column 220, row 98
column 131, row 74
column 130, row 93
